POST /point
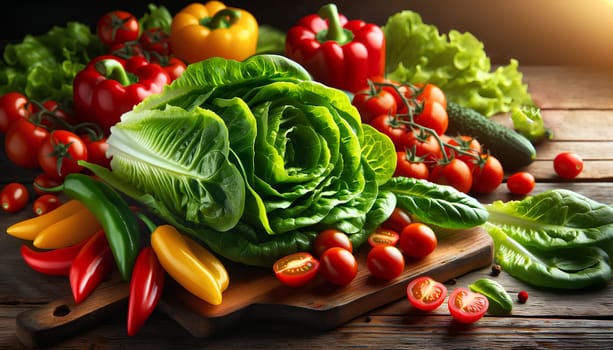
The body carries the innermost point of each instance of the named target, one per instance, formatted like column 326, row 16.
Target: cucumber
column 511, row 148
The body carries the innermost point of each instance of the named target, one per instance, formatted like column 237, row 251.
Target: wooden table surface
column 577, row 104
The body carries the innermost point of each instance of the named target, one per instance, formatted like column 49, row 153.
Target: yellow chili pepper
column 68, row 231
column 190, row 264
column 30, row 228
column 200, row 31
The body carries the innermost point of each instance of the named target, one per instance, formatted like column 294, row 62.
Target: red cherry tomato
column 422, row 145
column 117, row 27
column 297, row 269
column 466, row 306
column 425, row 293
column 455, row 173
column 417, row 240
column 487, row 176
column 467, row 144
column 392, row 128
column 14, row 197
column 374, row 102
column 434, row 116
column 96, row 150
column 13, row 106
column 338, row 266
column 385, row 262
column 520, row 183
column 331, row 238
column 399, row 219
column 22, row 141
column 59, row 153
column 155, row 40
column 46, row 203
column 568, row 165
column 44, row 181
column 431, row 92
column 383, row 236
column 408, row 165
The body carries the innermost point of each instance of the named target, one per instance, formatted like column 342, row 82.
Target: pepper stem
column 222, row 19
column 113, row 69
column 335, row 31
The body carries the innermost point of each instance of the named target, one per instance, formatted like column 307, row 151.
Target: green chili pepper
column 111, row 210
column 500, row 301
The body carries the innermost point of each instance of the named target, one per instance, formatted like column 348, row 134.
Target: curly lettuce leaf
column 457, row 62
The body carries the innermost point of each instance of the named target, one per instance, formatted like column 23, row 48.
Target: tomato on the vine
column 51, row 114
column 338, row 266
column 467, row 144
column 417, row 240
column 297, row 269
column 173, row 66
column 372, row 102
column 22, row 141
column 392, row 128
column 423, row 145
column 383, row 236
column 521, row 183
column 385, row 261
column 431, row 92
column 59, row 153
column 455, row 173
column 42, row 180
column 408, row 165
column 398, row 220
column 331, row 238
column 96, row 150
column 434, row 116
column 45, row 203
column 13, row 106
column 155, row 40
column 487, row 175
column 117, row 27
column 568, row 165
column 426, row 293
column 466, row 306
column 14, row 197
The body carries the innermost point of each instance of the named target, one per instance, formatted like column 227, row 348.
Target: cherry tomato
column 423, row 145
column 568, row 165
column 22, row 141
column 297, row 269
column 385, row 262
column 96, row 150
column 392, row 128
column 51, row 115
column 417, row 240
column 174, row 66
column 425, row 293
column 44, row 181
column 466, row 306
column 155, row 40
column 383, row 236
column 338, row 266
column 408, row 165
column 331, row 238
column 431, row 92
column 14, row 197
column 13, row 106
column 395, row 88
column 372, row 102
column 455, row 173
column 467, row 144
column 487, row 175
column 59, row 153
column 117, row 27
column 520, row 183
column 45, row 203
column 399, row 219
column 434, row 116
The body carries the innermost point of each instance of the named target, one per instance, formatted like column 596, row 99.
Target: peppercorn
column 522, row 297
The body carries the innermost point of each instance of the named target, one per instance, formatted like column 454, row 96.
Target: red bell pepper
column 337, row 52
column 110, row 86
column 91, row 266
column 146, row 287
column 54, row 262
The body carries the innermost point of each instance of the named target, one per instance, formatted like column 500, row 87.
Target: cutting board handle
column 61, row 319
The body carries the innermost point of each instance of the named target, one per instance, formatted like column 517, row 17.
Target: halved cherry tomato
column 331, row 238
column 417, row 240
column 297, row 269
column 385, row 262
column 14, row 197
column 383, row 236
column 466, row 306
column 338, row 266
column 45, row 203
column 425, row 293
column 399, row 219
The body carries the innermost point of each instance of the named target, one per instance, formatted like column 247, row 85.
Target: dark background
column 533, row 31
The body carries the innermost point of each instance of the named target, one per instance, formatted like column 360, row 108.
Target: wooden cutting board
column 255, row 294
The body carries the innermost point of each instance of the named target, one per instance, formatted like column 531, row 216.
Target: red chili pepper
column 104, row 90
column 54, row 262
column 146, row 287
column 91, row 265
column 337, row 52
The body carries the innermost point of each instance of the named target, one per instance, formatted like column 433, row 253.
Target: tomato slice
column 466, row 306
column 383, row 236
column 425, row 293
column 297, row 269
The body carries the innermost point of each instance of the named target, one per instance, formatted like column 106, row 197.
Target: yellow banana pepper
column 68, row 231
column 200, row 31
column 30, row 228
column 190, row 264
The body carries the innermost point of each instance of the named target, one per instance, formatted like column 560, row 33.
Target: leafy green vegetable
column 554, row 239
column 270, row 40
column 43, row 66
column 528, row 121
column 156, row 17
column 500, row 301
column 456, row 62
column 254, row 158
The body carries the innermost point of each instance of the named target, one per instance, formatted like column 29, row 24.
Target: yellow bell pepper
column 190, row 264
column 200, row 31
